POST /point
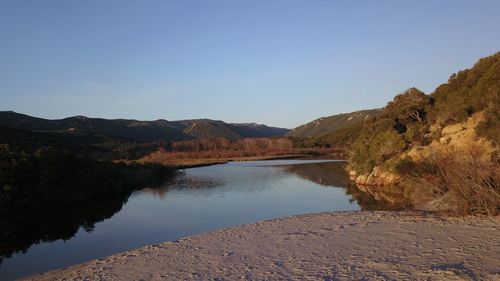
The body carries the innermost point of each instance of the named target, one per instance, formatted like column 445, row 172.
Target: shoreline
column 326, row 246
column 196, row 163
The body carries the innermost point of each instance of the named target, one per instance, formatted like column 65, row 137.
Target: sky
column 276, row 62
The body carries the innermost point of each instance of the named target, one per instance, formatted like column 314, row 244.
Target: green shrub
column 369, row 153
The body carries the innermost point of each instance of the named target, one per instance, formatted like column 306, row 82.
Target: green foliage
column 342, row 138
column 382, row 147
column 415, row 133
column 406, row 119
column 468, row 91
column 402, row 121
column 490, row 128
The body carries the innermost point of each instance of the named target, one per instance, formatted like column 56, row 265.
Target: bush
column 382, row 147
column 468, row 91
column 467, row 181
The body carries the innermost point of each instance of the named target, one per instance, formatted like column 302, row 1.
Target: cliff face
column 459, row 136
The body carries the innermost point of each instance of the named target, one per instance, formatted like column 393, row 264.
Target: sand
column 325, row 246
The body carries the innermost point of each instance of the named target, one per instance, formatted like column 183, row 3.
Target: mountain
column 253, row 130
column 140, row 131
column 332, row 124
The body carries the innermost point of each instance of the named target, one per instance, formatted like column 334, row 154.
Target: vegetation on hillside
column 58, row 177
column 460, row 179
column 414, row 119
column 332, row 124
column 140, row 131
column 401, row 123
column 406, row 119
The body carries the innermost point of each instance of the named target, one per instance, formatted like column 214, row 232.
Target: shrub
column 465, row 179
column 382, row 147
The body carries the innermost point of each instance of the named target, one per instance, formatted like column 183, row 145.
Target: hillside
column 445, row 142
column 140, row 131
column 253, row 130
column 332, row 124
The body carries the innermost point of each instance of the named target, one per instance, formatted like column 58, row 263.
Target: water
column 196, row 201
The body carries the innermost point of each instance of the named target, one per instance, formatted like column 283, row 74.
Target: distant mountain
column 253, row 130
column 205, row 128
column 141, row 131
column 332, row 124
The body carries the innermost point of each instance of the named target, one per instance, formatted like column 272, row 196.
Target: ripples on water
column 195, row 201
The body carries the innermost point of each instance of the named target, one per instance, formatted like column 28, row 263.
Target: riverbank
column 202, row 162
column 325, row 246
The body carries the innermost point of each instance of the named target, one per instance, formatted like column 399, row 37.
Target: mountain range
column 141, row 131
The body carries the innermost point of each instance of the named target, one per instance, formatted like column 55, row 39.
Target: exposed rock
column 460, row 135
column 453, row 129
column 377, row 177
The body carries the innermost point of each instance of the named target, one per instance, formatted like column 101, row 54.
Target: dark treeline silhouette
column 55, row 177
column 48, row 194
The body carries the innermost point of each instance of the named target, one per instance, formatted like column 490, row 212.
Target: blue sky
column 278, row 62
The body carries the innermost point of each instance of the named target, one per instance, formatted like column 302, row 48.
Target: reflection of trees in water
column 24, row 228
column 401, row 197
column 181, row 181
column 324, row 173
column 21, row 229
column 379, row 198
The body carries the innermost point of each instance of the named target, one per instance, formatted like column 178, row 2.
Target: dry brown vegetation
column 463, row 181
column 213, row 151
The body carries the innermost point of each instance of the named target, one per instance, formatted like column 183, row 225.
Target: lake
column 197, row 200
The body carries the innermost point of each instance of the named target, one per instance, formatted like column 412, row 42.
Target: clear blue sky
column 282, row 63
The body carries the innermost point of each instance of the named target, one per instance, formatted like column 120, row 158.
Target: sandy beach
column 325, row 246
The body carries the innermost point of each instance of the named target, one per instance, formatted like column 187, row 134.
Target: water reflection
column 195, row 201
column 182, row 181
column 325, row 173
column 19, row 231
column 385, row 198
column 379, row 198
column 369, row 198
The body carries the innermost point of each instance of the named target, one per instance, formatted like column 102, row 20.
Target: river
column 195, row 201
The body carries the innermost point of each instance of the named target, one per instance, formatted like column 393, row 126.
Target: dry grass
column 210, row 157
column 466, row 180
column 202, row 152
